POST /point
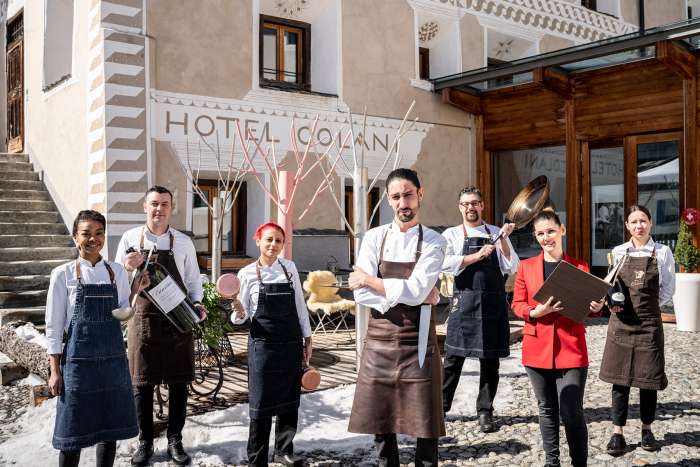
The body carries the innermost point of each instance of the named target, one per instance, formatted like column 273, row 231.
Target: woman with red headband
column 280, row 338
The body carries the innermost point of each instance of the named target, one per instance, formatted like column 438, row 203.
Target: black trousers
column 259, row 437
column 106, row 450
column 620, row 404
column 488, row 382
column 560, row 394
column 388, row 451
column 177, row 410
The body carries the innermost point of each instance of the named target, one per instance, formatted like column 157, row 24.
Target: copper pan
column 529, row 202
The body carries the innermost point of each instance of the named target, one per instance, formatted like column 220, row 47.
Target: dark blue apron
column 275, row 350
column 477, row 326
column 97, row 401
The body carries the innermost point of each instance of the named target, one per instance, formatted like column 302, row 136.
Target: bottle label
column 167, row 294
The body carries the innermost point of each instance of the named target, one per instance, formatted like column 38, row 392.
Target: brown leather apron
column 634, row 347
column 393, row 394
column 159, row 353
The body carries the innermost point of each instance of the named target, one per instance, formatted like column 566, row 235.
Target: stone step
column 30, row 268
column 63, row 253
column 16, row 166
column 14, row 175
column 27, row 205
column 25, row 298
column 21, row 185
column 42, row 195
column 34, row 314
column 32, row 241
column 35, row 228
column 19, row 283
column 6, row 157
column 30, row 216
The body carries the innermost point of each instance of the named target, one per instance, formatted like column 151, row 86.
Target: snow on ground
column 220, row 437
column 31, row 334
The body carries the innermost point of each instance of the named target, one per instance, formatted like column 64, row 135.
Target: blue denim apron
column 275, row 350
column 477, row 326
column 97, row 401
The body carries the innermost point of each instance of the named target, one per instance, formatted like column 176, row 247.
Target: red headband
column 268, row 225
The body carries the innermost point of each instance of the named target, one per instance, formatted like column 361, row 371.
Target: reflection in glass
column 269, row 53
column 200, row 222
column 607, row 205
column 657, row 188
column 227, row 233
column 514, row 170
column 291, row 40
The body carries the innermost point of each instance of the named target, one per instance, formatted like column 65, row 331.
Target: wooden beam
column 689, row 166
column 574, row 196
column 468, row 102
column 484, row 169
column 552, row 80
column 677, row 58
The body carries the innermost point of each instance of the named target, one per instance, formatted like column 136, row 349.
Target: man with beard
column 398, row 384
column 479, row 255
column 158, row 353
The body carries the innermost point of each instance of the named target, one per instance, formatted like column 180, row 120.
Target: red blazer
column 553, row 340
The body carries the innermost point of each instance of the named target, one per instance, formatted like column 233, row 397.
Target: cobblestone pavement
column 518, row 441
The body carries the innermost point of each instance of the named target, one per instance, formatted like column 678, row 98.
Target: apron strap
column 78, row 274
column 257, row 271
column 143, row 234
column 419, row 246
column 486, row 227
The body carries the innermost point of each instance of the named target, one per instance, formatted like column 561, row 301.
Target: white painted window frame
column 73, row 72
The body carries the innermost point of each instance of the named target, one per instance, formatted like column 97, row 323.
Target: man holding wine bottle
column 159, row 352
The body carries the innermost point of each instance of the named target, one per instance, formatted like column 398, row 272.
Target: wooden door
column 15, row 84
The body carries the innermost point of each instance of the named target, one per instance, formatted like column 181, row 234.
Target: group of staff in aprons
column 402, row 385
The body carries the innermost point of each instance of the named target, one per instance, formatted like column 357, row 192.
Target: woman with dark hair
column 279, row 342
column 634, row 347
column 554, row 347
column 90, row 373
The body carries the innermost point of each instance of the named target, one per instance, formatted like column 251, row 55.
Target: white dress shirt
column 183, row 250
column 60, row 299
column 250, row 289
column 400, row 246
column 664, row 260
column 455, row 242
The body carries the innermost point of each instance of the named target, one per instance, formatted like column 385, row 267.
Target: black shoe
column 649, row 443
column 289, row 460
column 143, row 453
column 486, row 423
column 616, row 445
column 177, row 453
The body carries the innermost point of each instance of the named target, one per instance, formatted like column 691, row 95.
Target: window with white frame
column 58, row 42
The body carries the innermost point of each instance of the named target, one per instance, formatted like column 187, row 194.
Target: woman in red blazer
column 554, row 347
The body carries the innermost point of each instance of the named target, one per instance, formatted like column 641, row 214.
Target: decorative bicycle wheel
column 208, row 372
column 162, row 399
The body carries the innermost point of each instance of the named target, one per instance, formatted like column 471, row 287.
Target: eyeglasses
column 474, row 204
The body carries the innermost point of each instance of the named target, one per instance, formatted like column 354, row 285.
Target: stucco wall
column 203, row 51
column 472, row 34
column 56, row 122
column 551, row 43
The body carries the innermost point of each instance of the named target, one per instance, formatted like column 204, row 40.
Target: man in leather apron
column 399, row 380
column 158, row 352
column 477, row 326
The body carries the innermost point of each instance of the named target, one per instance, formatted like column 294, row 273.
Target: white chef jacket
column 455, row 242
column 400, row 246
column 183, row 250
column 60, row 298
column 250, row 289
column 664, row 260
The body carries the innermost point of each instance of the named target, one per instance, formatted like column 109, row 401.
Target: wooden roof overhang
column 655, row 92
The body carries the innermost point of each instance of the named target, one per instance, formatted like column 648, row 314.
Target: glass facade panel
column 607, row 204
column 200, row 222
column 291, row 42
column 514, row 170
column 658, row 188
column 269, row 53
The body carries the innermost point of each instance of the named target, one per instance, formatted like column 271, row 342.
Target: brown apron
column 159, row 353
column 393, row 394
column 634, row 347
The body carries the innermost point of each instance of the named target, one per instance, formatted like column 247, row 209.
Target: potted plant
column 686, row 300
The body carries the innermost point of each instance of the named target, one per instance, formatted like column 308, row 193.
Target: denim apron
column 97, row 401
column 477, row 326
column 158, row 352
column 393, row 393
column 634, row 346
column 275, row 350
